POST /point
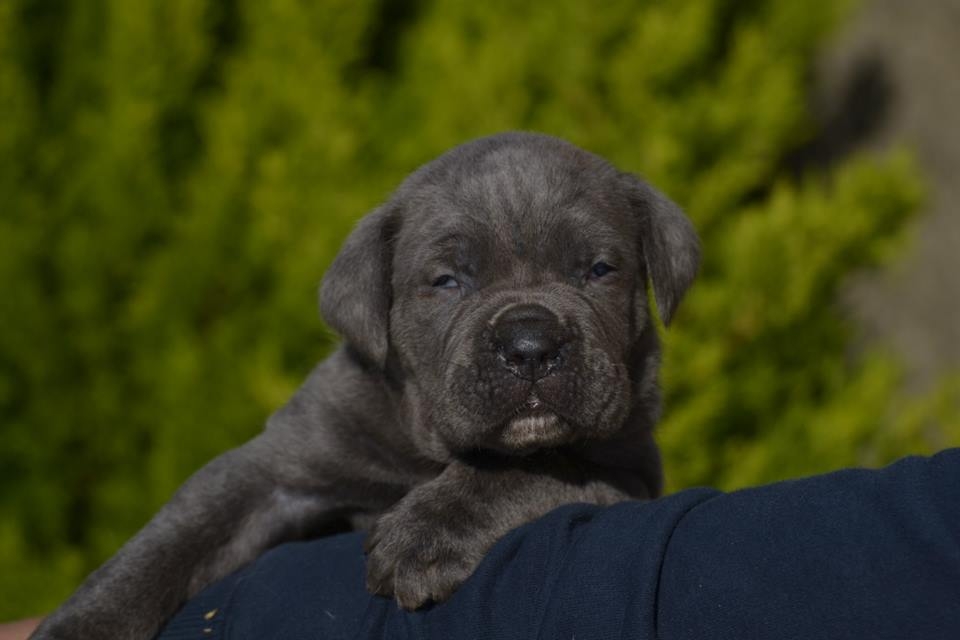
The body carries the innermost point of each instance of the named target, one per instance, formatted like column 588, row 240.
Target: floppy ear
column 671, row 249
column 355, row 296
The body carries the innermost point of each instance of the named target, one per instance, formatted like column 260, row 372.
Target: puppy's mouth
column 534, row 426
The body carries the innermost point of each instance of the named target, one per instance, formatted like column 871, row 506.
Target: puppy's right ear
column 355, row 296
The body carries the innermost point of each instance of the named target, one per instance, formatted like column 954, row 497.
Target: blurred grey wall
column 892, row 77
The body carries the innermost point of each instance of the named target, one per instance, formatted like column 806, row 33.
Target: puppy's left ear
column 671, row 249
column 355, row 296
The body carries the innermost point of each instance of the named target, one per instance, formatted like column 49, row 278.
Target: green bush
column 175, row 175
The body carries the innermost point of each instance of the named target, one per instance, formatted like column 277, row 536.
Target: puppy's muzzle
column 529, row 341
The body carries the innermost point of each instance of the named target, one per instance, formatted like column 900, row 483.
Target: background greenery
column 175, row 175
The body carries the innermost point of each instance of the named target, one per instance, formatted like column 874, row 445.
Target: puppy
column 499, row 360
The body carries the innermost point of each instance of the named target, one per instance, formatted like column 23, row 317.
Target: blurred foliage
column 176, row 174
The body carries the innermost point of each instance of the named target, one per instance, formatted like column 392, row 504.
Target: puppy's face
column 514, row 275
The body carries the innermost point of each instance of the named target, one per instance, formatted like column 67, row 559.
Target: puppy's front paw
column 418, row 551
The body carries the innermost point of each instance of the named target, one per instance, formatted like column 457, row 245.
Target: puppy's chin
column 531, row 431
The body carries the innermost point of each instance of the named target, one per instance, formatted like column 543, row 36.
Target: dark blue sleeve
column 852, row 554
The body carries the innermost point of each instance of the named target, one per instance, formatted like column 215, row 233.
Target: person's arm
column 850, row 554
column 855, row 553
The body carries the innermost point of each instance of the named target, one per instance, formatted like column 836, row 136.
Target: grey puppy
column 499, row 360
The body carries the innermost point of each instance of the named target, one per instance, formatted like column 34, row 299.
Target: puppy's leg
column 224, row 515
column 434, row 538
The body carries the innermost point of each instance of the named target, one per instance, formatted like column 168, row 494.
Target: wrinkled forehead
column 510, row 213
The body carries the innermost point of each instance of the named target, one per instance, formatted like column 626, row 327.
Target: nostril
column 513, row 357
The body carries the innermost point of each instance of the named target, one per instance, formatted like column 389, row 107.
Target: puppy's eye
column 600, row 269
column 446, row 281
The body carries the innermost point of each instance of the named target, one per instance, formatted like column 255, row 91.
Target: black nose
column 528, row 338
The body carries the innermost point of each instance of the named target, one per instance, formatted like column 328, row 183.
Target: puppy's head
column 506, row 283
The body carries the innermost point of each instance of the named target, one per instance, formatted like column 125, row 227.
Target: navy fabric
column 852, row 554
